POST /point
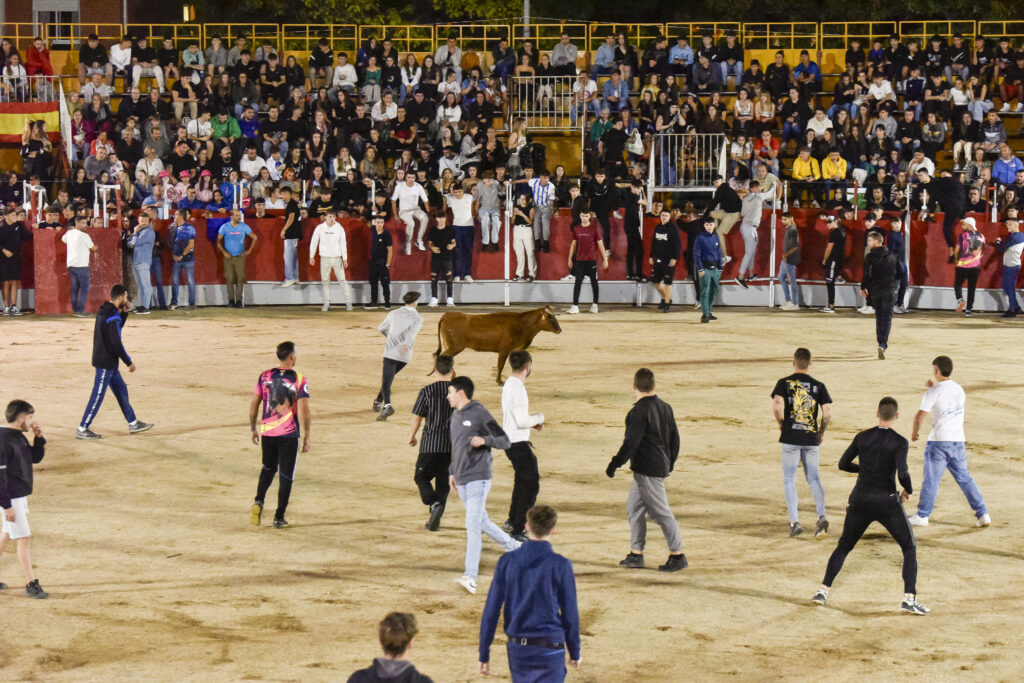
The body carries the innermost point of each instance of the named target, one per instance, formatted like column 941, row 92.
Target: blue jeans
column 190, row 276
column 790, row 129
column 464, row 236
column 940, row 456
column 790, row 290
column 490, row 225
column 283, row 146
column 291, row 259
column 531, row 664
column 1010, row 274
column 79, row 288
column 792, row 457
column 850, row 108
column 144, row 280
column 474, row 497
column 156, row 269
column 736, row 70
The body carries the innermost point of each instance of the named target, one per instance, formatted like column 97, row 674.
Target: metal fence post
column 508, row 241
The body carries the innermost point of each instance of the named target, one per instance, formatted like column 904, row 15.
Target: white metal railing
column 18, row 88
column 545, row 102
column 686, row 161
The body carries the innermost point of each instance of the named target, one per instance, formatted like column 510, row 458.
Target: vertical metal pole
column 583, row 135
column 640, row 228
column 771, row 262
column 855, row 202
column 650, row 165
column 526, row 18
column 508, row 240
column 785, row 196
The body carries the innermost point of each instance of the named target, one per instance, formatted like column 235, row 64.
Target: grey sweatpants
column 647, row 497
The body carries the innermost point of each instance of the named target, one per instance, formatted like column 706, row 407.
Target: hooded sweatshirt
column 537, row 588
column 389, row 671
column 16, row 460
column 400, row 327
column 469, row 463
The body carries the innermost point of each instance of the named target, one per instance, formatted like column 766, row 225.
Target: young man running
column 284, row 394
column 436, row 443
column 517, row 422
column 882, row 456
column 400, row 328
column 665, row 248
column 651, row 447
column 946, row 447
column 796, row 402
column 474, row 433
column 107, row 352
column 16, row 460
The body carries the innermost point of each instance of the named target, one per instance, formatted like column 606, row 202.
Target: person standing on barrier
column 895, row 240
column 881, row 270
column 544, row 193
column 969, row 246
column 633, row 201
column 725, row 209
column 488, row 210
column 835, row 257
column 600, row 192
column 787, row 265
column 707, row 258
column 1011, row 249
column 665, row 248
column 586, row 247
column 753, row 206
column 951, row 194
column 461, row 206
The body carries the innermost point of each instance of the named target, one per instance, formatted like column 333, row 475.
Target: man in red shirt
column 766, row 151
column 586, row 246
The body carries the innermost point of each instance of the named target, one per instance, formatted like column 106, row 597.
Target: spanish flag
column 13, row 115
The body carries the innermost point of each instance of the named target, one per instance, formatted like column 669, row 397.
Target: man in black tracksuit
column 665, row 248
column 881, row 272
column 651, row 447
column 632, row 201
column 883, row 457
column 601, row 193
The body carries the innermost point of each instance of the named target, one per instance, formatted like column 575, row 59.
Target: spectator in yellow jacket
column 806, row 173
column 833, row 170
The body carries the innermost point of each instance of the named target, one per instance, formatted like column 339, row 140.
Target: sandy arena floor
column 155, row 573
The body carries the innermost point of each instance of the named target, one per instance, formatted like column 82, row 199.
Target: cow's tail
column 438, row 352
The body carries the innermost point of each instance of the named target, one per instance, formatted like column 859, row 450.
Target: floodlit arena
column 236, row 257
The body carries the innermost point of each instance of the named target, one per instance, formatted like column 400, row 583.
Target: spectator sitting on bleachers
column 144, row 63
column 92, row 58
column 1005, row 168
column 776, row 77
column 448, row 58
column 615, row 93
column 604, row 59
column 806, row 75
column 730, row 57
column 563, row 56
column 98, row 87
column 993, row 134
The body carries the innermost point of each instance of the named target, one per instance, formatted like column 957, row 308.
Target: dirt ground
column 155, row 573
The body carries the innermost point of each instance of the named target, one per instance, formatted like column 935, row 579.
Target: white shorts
column 19, row 527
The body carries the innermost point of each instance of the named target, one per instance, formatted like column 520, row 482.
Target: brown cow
column 502, row 332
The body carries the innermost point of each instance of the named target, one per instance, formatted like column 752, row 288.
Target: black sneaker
column 912, row 606
column 280, row 523
column 795, row 529
column 674, row 563
column 377, row 405
column 506, row 526
column 661, row 306
column 231, row 303
column 712, row 317
column 86, row 434
column 370, row 306
column 968, row 313
column 820, row 597
column 142, row 311
column 3, row 586
column 1010, row 314
column 34, row 590
column 742, row 282
column 704, row 319
column 821, row 529
column 668, row 307
column 521, row 537
column 434, row 523
column 139, row 426
column 633, row 561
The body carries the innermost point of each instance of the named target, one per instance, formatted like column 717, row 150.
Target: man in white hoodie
column 400, row 328
column 329, row 236
column 516, row 420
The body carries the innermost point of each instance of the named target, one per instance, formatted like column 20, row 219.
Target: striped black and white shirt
column 432, row 405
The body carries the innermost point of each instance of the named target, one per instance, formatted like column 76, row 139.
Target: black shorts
column 441, row 267
column 10, row 269
column 662, row 273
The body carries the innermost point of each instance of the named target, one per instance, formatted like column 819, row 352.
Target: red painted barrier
column 52, row 285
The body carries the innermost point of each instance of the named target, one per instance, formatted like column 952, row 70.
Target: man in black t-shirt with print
column 798, row 401
column 291, row 233
column 441, row 242
column 835, row 257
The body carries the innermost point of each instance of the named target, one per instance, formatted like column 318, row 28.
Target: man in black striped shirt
column 436, row 443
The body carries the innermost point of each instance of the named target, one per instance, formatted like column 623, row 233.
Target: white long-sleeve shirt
column 400, row 327
column 515, row 411
column 120, row 57
column 330, row 237
column 344, row 76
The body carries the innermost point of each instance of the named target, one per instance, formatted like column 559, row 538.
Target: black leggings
column 526, row 484
column 606, row 226
column 634, row 251
column 279, row 455
column 391, row 368
column 950, row 219
column 584, row 269
column 970, row 275
column 379, row 274
column 437, row 272
column 432, row 477
column 884, row 508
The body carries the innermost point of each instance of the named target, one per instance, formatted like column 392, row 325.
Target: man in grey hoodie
column 400, row 328
column 474, row 433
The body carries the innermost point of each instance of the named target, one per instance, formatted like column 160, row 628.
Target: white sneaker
column 408, row 248
column 449, row 302
column 696, row 304
column 456, row 279
column 984, row 520
column 569, row 278
column 725, row 260
column 348, row 307
column 915, row 520
column 420, row 245
column 593, row 308
column 901, row 310
column 617, row 214
column 1020, row 106
column 326, row 307
column 1005, row 108
column 573, row 310
column 865, row 309
column 288, row 283
column 467, row 582
column 467, row 279
column 433, row 302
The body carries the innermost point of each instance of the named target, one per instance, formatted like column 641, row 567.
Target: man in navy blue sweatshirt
column 16, row 460
column 895, row 240
column 107, row 352
column 537, row 589
column 707, row 259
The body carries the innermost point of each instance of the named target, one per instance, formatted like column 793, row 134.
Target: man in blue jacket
column 707, row 258
column 537, row 589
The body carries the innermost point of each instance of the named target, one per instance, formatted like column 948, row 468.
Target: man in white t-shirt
column 945, row 448
column 584, row 95
column 461, row 205
column 251, row 164
column 80, row 246
column 329, row 236
column 517, row 421
column 405, row 202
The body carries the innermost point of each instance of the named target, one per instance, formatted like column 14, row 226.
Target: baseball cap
column 204, row 173
column 970, row 221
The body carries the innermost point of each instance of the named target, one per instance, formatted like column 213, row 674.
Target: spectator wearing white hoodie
column 329, row 238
